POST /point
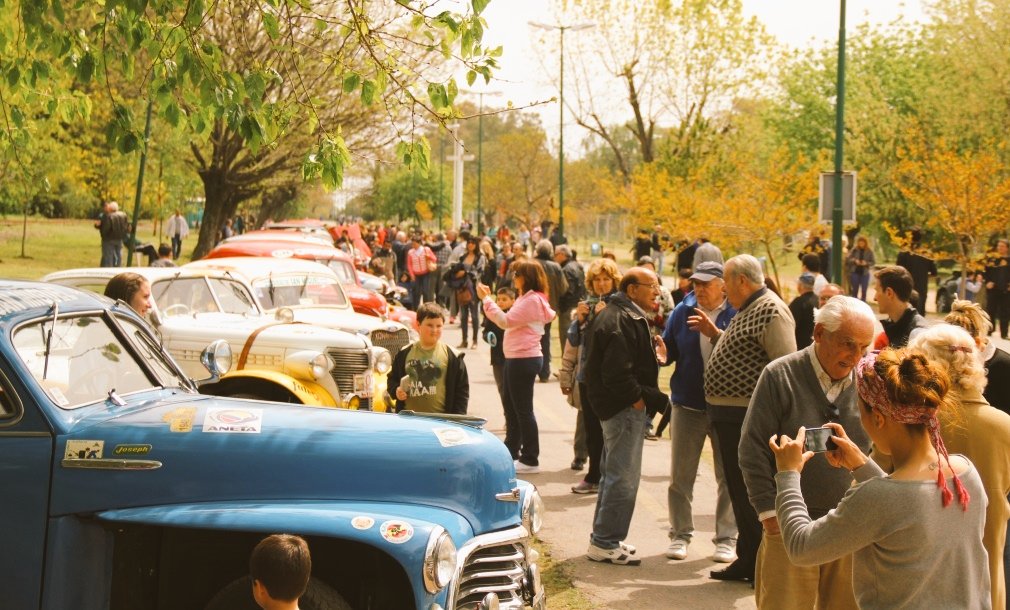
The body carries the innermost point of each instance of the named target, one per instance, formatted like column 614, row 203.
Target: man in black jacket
column 558, row 286
column 576, row 278
column 621, row 373
column 427, row 375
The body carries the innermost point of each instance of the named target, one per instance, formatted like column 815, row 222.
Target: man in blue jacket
column 687, row 337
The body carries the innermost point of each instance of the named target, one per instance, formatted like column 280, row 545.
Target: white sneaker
column 617, row 556
column 628, row 547
column 677, row 549
column 725, row 552
column 526, row 468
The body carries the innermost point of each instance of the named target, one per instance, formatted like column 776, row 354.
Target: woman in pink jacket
column 524, row 325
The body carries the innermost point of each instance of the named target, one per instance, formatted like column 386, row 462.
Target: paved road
column 658, row 582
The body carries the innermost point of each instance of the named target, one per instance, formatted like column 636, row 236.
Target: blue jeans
column 469, row 313
column 176, row 246
column 418, row 290
column 112, row 253
column 621, row 466
column 522, row 437
column 545, row 347
column 859, row 283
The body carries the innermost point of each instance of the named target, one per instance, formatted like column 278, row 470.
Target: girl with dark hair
column 470, row 268
column 524, row 325
column 910, row 548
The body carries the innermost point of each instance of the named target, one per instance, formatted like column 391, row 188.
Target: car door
column 26, row 443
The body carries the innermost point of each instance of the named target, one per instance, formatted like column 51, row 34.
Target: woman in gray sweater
column 911, row 548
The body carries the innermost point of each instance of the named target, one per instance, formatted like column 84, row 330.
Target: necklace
column 934, row 465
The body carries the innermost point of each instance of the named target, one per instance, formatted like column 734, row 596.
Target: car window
column 148, row 349
column 293, row 290
column 84, row 362
column 234, row 297
column 183, row 296
column 344, row 271
column 7, row 405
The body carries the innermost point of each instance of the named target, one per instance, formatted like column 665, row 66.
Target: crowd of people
column 901, row 502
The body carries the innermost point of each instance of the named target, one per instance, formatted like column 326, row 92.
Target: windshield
column 189, row 295
column 86, row 360
column 344, row 271
column 293, row 291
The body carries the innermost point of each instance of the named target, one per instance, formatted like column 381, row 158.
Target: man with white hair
column 113, row 227
column 808, row 388
column 762, row 331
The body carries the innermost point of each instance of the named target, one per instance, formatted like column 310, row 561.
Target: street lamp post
column 480, row 155
column 836, row 212
column 561, row 96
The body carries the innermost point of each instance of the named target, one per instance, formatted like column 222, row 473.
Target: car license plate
column 363, row 384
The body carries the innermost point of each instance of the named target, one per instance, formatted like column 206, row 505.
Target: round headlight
column 285, row 314
column 533, row 511
column 439, row 560
column 222, row 353
column 320, row 366
column 383, row 361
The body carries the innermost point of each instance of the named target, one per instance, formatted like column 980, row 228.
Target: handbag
column 432, row 266
column 464, row 295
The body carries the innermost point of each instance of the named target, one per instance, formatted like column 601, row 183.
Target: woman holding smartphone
column 916, row 534
column 524, row 325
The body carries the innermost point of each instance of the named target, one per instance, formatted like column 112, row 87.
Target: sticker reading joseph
column 233, row 421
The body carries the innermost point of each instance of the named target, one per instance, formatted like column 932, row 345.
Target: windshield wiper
column 49, row 338
column 301, row 292
column 270, row 289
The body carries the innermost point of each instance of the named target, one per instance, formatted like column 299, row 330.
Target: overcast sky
column 524, row 79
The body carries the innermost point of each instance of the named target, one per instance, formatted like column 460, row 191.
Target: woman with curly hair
column 978, row 431
column 602, row 280
column 912, row 544
column 971, row 317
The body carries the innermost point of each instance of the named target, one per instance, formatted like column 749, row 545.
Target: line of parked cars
column 134, row 486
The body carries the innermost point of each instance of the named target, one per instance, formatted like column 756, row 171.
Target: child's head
column 280, row 567
column 505, row 297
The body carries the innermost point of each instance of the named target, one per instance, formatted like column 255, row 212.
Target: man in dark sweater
column 558, row 286
column 920, row 268
column 892, row 291
column 807, row 388
column 802, row 308
column 575, row 277
column 762, row 331
column 621, row 373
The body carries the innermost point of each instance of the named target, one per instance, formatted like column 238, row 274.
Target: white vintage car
column 306, row 291
column 275, row 359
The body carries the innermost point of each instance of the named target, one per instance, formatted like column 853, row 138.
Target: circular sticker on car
column 362, row 523
column 396, row 532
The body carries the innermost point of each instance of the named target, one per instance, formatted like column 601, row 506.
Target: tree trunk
column 220, row 205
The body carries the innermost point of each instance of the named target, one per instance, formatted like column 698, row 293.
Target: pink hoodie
column 523, row 323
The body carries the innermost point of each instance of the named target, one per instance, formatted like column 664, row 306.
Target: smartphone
column 819, row 440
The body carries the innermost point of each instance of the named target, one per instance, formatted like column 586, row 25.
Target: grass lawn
column 53, row 245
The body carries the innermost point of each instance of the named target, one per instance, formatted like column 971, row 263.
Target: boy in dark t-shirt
column 428, row 376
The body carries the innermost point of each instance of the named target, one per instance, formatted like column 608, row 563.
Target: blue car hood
column 227, row 450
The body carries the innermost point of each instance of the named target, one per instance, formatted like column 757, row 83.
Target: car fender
column 363, row 522
column 308, row 392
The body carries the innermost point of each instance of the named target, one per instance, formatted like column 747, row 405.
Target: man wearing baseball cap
column 704, row 311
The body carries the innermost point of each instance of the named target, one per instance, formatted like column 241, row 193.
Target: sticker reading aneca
column 450, row 437
column 396, row 532
column 84, row 450
column 362, row 523
column 233, row 421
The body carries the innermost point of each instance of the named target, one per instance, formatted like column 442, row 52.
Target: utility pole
column 457, row 158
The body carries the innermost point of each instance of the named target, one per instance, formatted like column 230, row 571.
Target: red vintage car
column 363, row 300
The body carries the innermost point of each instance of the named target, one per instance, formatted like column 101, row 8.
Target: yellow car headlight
column 382, row 362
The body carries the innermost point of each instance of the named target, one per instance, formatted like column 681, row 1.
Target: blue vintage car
column 124, row 488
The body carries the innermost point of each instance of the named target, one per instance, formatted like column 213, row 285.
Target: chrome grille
column 393, row 341
column 498, row 569
column 346, row 364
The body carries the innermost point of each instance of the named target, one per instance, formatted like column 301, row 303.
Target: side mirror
column 216, row 358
